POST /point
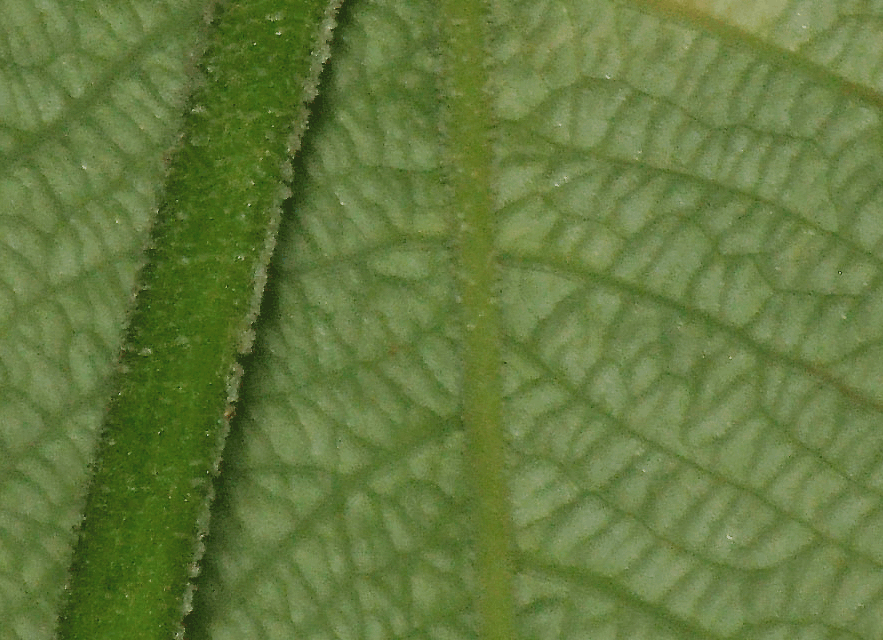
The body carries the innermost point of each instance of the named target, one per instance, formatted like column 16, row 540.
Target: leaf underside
column 688, row 249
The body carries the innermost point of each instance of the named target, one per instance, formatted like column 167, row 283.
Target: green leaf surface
column 687, row 249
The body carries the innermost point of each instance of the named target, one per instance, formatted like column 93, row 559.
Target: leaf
column 689, row 290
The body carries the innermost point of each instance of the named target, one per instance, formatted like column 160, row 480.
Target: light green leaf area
column 689, row 226
column 688, row 241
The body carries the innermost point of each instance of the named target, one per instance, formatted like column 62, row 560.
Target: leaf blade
column 629, row 233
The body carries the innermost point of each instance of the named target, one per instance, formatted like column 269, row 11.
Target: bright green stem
column 199, row 290
column 469, row 158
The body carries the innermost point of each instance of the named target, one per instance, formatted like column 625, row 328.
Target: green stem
column 147, row 506
column 469, row 158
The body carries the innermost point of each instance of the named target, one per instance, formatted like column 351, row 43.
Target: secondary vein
column 469, row 158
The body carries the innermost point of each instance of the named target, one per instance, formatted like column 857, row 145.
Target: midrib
column 468, row 157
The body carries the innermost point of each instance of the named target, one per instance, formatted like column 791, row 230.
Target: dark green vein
column 147, row 506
